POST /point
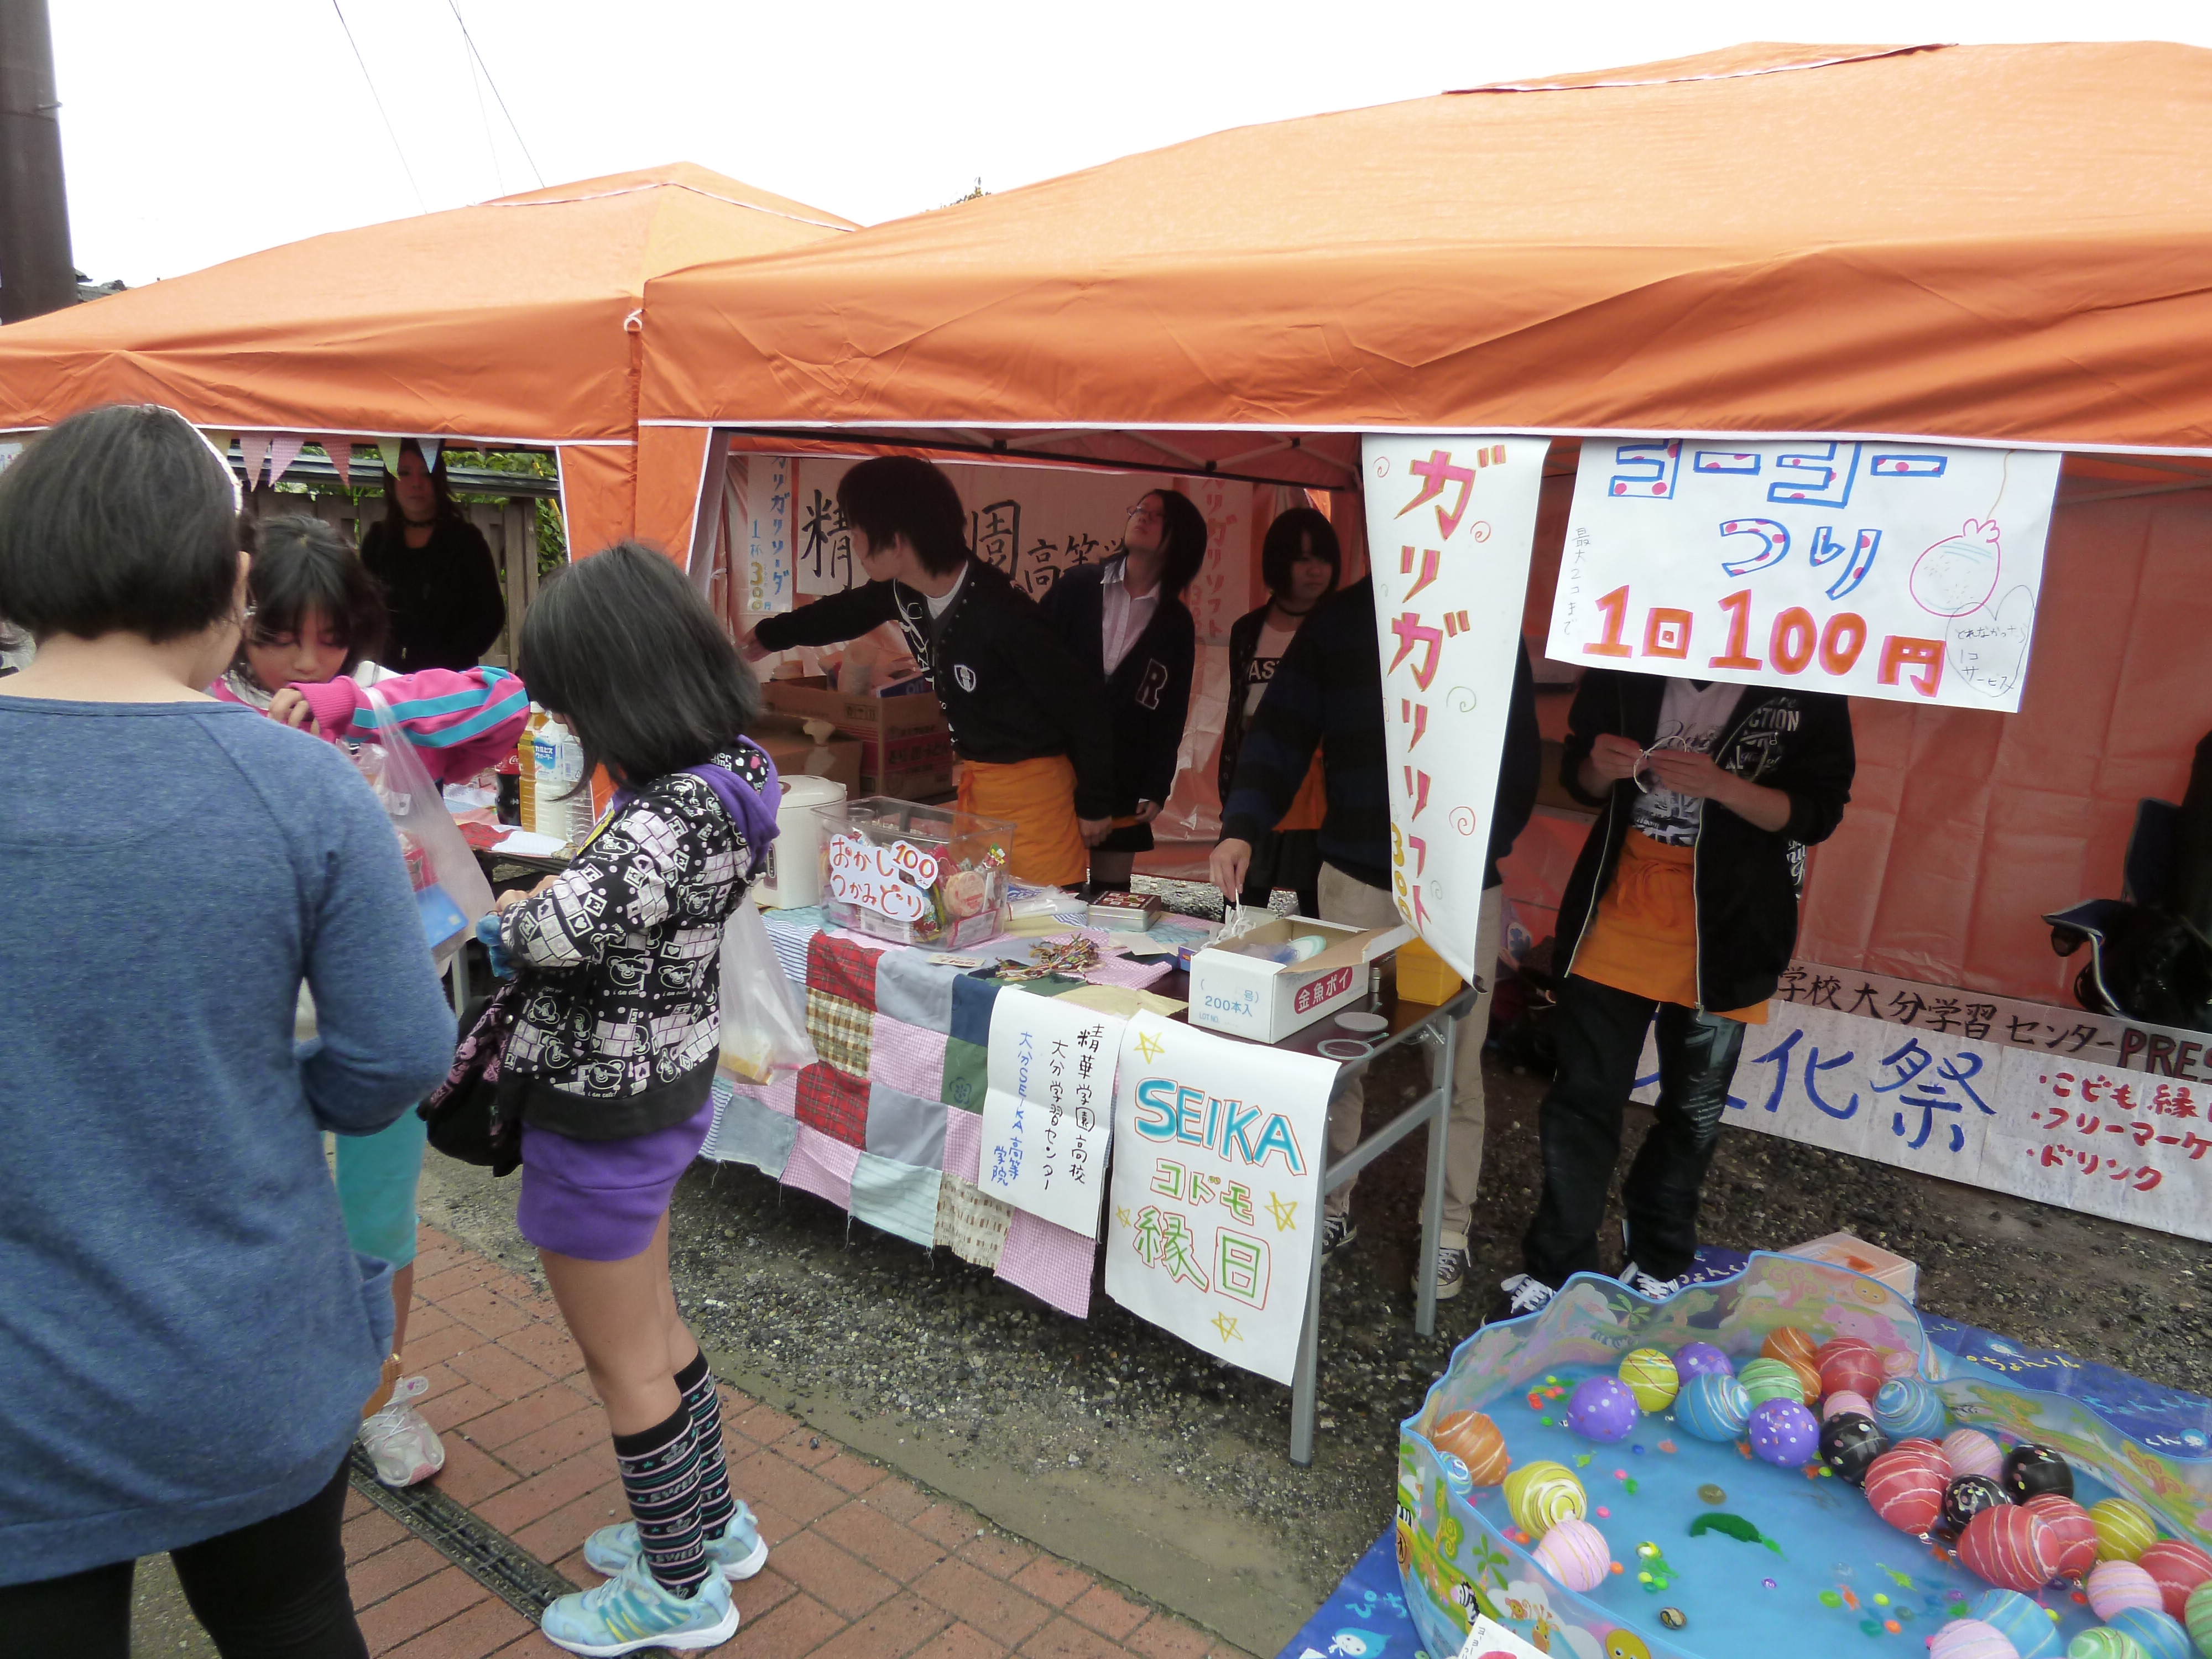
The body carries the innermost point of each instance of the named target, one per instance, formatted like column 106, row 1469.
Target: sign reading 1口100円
column 1873, row 568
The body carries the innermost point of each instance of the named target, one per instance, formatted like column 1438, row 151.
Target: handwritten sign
column 1879, row 569
column 768, row 585
column 1049, row 1107
column 1218, row 1147
column 1450, row 524
column 2057, row 1105
column 892, row 879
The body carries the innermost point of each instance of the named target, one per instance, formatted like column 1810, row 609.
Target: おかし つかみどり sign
column 892, row 878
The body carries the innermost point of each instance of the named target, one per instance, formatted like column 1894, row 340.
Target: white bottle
column 559, row 769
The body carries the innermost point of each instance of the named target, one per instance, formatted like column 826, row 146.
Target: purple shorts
column 600, row 1200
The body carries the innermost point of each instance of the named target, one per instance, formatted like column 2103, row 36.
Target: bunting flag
column 220, row 441
column 253, row 449
column 340, row 450
column 284, row 450
column 430, row 447
column 389, row 448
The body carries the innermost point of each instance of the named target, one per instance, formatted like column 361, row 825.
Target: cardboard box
column 1844, row 1250
column 1250, row 997
column 794, row 752
column 906, row 748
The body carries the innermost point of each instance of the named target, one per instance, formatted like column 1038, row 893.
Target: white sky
column 195, row 132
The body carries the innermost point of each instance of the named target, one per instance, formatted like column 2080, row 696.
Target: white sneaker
column 1523, row 1293
column 1336, row 1232
column 405, row 1449
column 1658, row 1290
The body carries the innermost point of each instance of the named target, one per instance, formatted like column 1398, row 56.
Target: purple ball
column 1603, row 1409
column 1702, row 1359
column 1784, row 1433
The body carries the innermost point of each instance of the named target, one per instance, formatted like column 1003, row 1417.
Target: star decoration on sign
column 1149, row 1046
column 1121, row 1214
column 1227, row 1326
column 1286, row 1215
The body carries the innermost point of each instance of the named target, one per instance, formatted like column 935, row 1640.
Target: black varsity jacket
column 1148, row 693
column 1746, row 879
column 1010, row 689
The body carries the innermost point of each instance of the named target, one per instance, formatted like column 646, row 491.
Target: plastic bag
column 456, row 892
column 762, row 1031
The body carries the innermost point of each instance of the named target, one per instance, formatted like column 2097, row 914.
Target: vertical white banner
column 768, row 576
column 1218, row 1153
column 1049, row 1107
column 1451, row 521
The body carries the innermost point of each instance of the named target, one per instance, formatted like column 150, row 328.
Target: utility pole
column 36, row 274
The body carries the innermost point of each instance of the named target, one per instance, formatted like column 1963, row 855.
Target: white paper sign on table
column 1218, row 1148
column 1450, row 524
column 1049, row 1107
column 1879, row 569
column 1488, row 1639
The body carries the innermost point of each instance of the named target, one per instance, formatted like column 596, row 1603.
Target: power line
column 420, row 205
column 496, row 91
column 483, row 116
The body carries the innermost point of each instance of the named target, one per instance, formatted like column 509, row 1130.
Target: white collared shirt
column 1122, row 618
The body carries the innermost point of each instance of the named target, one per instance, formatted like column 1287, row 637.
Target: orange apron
column 1039, row 796
column 1311, row 805
column 1643, row 939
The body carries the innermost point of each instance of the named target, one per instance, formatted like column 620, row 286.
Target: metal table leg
column 1432, row 1196
column 1305, row 1383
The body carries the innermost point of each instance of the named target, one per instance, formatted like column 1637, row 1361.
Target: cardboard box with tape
column 906, row 748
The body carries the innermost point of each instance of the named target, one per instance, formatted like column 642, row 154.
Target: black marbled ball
column 2034, row 1471
column 1849, row 1441
column 1966, row 1498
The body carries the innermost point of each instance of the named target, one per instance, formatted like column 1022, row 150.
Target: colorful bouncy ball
column 2178, row 1567
column 2007, row 1547
column 2022, row 1622
column 1967, row 1497
column 2032, row 1471
column 2125, row 1529
column 1601, row 1408
column 2115, row 1586
column 1908, row 1408
column 1972, row 1452
column 1457, row 1480
column 1784, row 1433
column 1576, row 1553
column 1969, row 1638
column 2160, row 1635
column 1844, row 1399
column 1702, row 1359
column 1788, row 1342
column 2073, row 1533
column 1906, row 1491
column 1849, row 1444
column 2104, row 1642
column 1475, row 1440
column 1540, row 1495
column 1650, row 1376
column 2197, row 1615
column 1849, row 1365
column 1713, row 1407
column 1767, row 1379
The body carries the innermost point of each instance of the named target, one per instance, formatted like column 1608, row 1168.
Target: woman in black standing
column 1126, row 619
column 436, row 571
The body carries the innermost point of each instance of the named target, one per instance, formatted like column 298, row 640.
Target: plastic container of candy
column 917, row 875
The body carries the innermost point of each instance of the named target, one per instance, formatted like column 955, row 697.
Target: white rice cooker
column 793, row 876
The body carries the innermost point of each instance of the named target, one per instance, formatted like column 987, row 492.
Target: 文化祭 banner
column 2078, row 1109
column 1877, row 570
column 1451, row 522
column 1218, row 1153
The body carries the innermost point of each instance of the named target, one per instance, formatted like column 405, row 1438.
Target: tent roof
column 1980, row 242
column 502, row 319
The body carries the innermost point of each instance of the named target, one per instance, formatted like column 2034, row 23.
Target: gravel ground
column 784, row 1286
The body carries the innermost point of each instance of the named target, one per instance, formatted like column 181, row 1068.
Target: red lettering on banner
column 1666, row 632
column 1615, row 606
column 1842, row 640
column 1733, row 654
column 1333, row 983
column 1899, row 651
column 1791, row 643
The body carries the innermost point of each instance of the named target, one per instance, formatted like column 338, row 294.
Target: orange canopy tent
column 1993, row 244
column 513, row 321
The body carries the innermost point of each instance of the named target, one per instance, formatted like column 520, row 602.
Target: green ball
column 1772, row 1379
column 2124, row 1530
column 2198, row 1616
column 2105, row 1642
column 1650, row 1376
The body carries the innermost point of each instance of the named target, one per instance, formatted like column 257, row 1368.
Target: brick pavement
column 865, row 1566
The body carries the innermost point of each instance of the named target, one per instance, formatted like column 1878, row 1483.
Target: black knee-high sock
column 660, row 1477
column 697, row 1385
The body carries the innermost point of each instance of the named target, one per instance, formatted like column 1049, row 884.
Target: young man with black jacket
column 1328, row 690
column 1683, row 903
column 1029, row 725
